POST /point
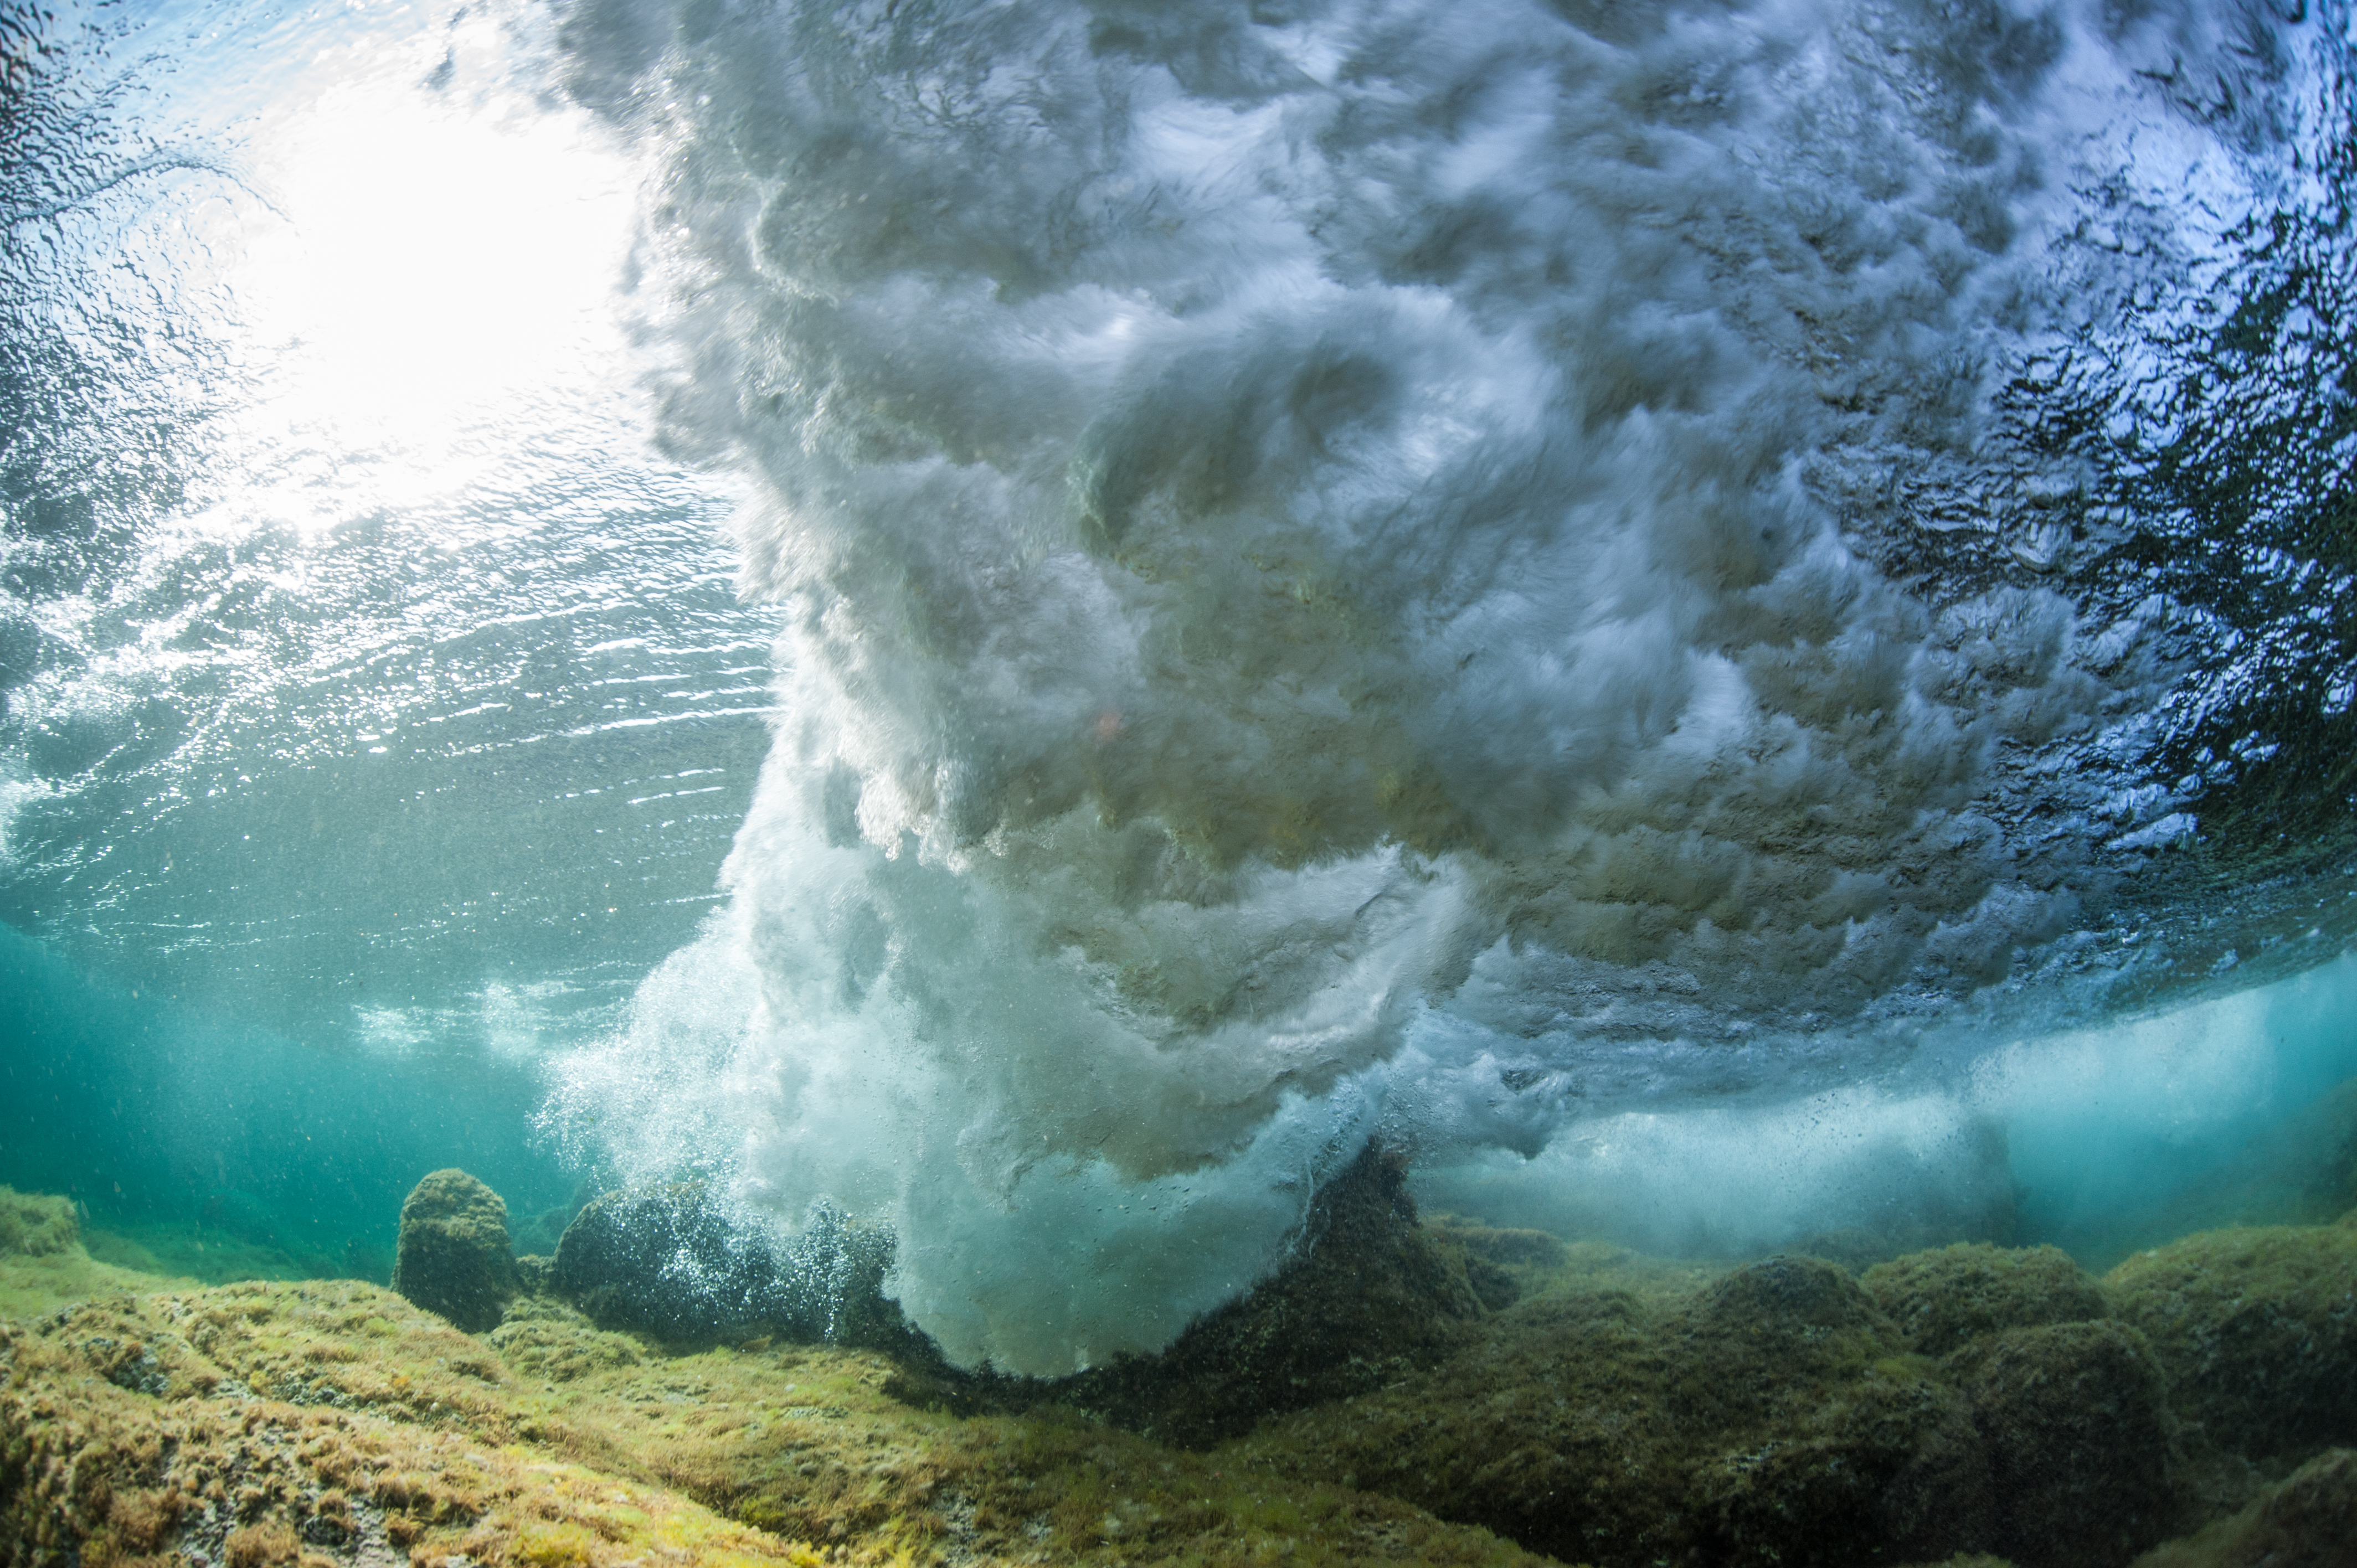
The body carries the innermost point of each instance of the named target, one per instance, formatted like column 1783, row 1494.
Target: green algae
column 2307, row 1520
column 454, row 1256
column 1616, row 1410
column 339, row 1423
column 2257, row 1330
column 1943, row 1300
column 34, row 1225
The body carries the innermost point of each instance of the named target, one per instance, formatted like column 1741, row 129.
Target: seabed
column 1408, row 1390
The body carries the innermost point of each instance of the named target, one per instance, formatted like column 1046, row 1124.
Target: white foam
column 1326, row 562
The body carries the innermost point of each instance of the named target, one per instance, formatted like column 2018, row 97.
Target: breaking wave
column 1436, row 571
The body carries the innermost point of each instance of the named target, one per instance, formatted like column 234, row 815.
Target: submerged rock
column 673, row 1263
column 1769, row 1416
column 453, row 1257
column 37, row 1225
column 1501, row 1262
column 1944, row 1299
column 2076, row 1421
column 2257, row 1331
column 545, row 1338
column 1370, row 1297
column 1778, row 1414
column 2308, row 1520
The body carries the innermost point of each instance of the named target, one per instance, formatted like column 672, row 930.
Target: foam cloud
column 1332, row 554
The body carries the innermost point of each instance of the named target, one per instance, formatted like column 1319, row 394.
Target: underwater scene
column 940, row 782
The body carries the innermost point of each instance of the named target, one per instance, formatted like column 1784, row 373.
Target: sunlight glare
column 439, row 290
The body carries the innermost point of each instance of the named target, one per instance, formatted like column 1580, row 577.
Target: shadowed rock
column 1370, row 1297
column 2309, row 1521
column 672, row 1261
column 2079, row 1437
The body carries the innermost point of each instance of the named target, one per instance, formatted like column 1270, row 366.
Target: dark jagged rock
column 2257, row 1330
column 672, row 1262
column 1369, row 1297
column 1944, row 1299
column 2075, row 1417
column 453, row 1257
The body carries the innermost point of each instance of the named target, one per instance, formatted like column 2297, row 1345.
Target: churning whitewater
column 1417, row 569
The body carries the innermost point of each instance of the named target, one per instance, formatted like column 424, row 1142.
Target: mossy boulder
column 1943, row 1300
column 37, row 1225
column 2307, row 1520
column 2076, row 1421
column 2257, row 1329
column 1502, row 1263
column 453, row 1257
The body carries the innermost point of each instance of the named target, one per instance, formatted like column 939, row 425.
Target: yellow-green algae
column 37, row 1225
column 43, row 1266
column 1618, row 1409
column 333, row 1422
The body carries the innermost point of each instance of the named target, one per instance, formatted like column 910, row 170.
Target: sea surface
column 1732, row 627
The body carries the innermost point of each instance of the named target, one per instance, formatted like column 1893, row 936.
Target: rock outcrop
column 1371, row 1297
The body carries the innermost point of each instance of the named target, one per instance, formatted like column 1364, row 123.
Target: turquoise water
column 1728, row 626
column 160, row 1118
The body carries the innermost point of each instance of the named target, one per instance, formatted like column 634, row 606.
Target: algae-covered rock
column 545, row 1338
column 1370, row 1297
column 1767, row 1416
column 2308, row 1520
column 37, row 1225
column 2076, row 1422
column 335, row 1420
column 675, row 1262
column 1888, row 1467
column 1502, row 1263
column 2257, row 1331
column 1942, row 1300
column 453, row 1257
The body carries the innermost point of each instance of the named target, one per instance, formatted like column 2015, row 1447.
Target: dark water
column 1729, row 625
